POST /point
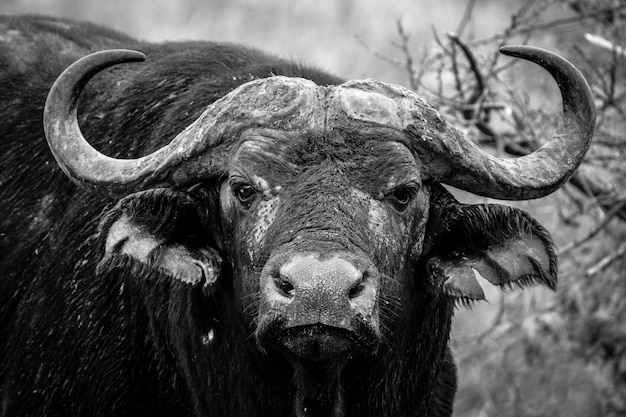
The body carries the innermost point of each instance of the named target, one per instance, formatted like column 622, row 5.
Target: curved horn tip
column 545, row 170
column 116, row 56
column 510, row 49
column 73, row 153
column 533, row 54
column 76, row 76
column 523, row 51
column 130, row 53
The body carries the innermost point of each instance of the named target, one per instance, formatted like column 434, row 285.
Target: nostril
column 356, row 290
column 360, row 286
column 285, row 288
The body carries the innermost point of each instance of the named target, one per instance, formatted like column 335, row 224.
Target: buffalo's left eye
column 245, row 193
column 401, row 197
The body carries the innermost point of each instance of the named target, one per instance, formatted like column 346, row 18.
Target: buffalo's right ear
column 503, row 244
column 161, row 229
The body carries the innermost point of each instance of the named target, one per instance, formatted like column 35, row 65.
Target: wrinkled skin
column 323, row 199
column 315, row 274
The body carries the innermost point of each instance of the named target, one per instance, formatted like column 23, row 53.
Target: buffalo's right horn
column 76, row 157
column 85, row 165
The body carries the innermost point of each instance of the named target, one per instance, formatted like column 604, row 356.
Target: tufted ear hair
column 161, row 229
column 505, row 245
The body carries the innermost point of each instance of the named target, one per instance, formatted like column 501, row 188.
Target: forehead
column 361, row 156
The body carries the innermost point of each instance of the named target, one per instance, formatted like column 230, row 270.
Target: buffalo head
column 323, row 205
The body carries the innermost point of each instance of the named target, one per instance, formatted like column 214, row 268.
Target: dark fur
column 126, row 341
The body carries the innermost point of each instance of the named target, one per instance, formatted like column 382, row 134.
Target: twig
column 456, row 73
column 605, row 198
column 607, row 218
column 467, row 17
column 575, row 200
column 479, row 338
column 480, row 82
column 606, row 261
column 438, row 41
column 547, row 25
column 592, row 65
column 424, row 66
column 408, row 63
column 605, row 44
column 377, row 54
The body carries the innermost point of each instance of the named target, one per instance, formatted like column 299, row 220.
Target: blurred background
column 524, row 353
column 326, row 33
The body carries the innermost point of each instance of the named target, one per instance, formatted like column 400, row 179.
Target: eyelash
column 244, row 192
column 401, row 197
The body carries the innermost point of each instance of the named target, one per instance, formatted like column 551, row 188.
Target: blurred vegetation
column 533, row 354
column 319, row 32
column 529, row 353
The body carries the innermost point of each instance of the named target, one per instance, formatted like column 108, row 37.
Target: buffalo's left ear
column 164, row 230
column 503, row 244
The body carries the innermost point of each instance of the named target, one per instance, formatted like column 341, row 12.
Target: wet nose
column 327, row 290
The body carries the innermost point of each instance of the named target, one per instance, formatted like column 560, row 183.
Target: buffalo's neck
column 269, row 384
column 361, row 386
column 318, row 389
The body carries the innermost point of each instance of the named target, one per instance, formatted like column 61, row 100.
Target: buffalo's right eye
column 402, row 196
column 245, row 193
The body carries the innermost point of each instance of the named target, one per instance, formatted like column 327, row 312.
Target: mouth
column 318, row 353
column 318, row 342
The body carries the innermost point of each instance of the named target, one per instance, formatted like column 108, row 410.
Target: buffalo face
column 322, row 230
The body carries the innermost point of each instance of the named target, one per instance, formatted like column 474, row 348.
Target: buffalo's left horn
column 457, row 161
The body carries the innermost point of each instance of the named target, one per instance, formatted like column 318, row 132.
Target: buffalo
column 243, row 235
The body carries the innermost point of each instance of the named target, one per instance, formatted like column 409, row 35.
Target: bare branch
column 467, row 17
column 599, row 41
column 408, row 64
column 605, row 198
column 480, row 83
column 377, row 54
column 456, row 73
column 606, row 261
column 479, row 338
column 534, row 27
column 607, row 218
